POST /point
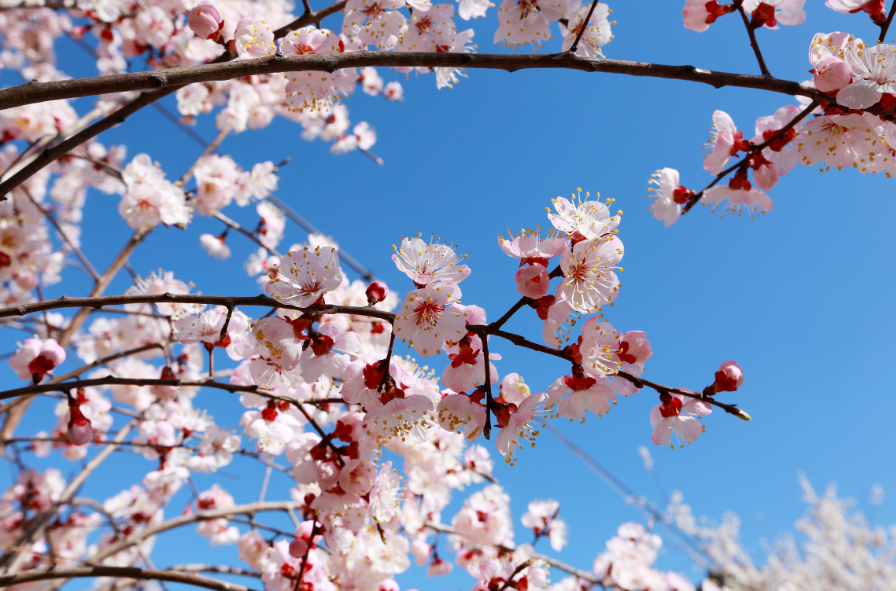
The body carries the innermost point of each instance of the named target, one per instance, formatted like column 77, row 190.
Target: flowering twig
column 489, row 401
column 753, row 43
column 307, row 552
column 756, row 149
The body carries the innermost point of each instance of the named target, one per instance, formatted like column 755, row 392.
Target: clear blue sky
column 801, row 297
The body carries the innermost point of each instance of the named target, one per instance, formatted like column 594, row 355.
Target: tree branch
column 174, row 78
column 743, row 161
column 125, row 572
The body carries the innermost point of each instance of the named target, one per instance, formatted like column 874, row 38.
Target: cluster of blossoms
column 850, row 128
column 322, row 390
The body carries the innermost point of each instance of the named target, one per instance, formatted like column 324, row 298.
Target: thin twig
column 753, row 43
column 886, row 26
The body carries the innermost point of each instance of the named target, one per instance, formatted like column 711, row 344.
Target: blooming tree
column 376, row 444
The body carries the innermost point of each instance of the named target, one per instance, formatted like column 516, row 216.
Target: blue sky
column 800, row 297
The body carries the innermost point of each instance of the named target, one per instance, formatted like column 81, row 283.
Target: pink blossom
column 462, row 413
column 151, row 200
column 726, row 142
column 529, row 247
column 328, row 353
column 517, row 427
column 589, row 279
column 533, row 281
column 782, row 152
column 634, row 347
column 467, row 367
column 393, row 91
column 669, row 196
column 677, row 414
column 771, row 13
column 838, row 140
column 253, row 37
column 36, row 358
column 205, row 20
column 584, row 393
column 425, row 263
column 528, row 21
column 304, row 276
column 375, row 22
column 428, row 319
column 831, row 75
column 597, row 34
column 874, row 8
column 583, row 220
column 874, row 73
column 729, row 377
column 699, row 14
column 740, row 197
column 310, row 89
column 513, row 389
column 215, row 246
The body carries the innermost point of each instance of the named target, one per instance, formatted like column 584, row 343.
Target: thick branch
column 121, row 572
column 260, row 300
column 174, row 78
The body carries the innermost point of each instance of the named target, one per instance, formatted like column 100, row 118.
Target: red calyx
column 373, row 374
column 299, row 325
column 716, row 10
column 782, row 141
column 887, row 101
column 39, row 367
column 467, row 354
column 579, row 382
column 542, row 305
column 764, row 15
column 682, row 195
column 269, row 413
column 623, row 353
column 724, row 383
column 876, row 10
column 321, row 344
column 740, row 145
column 671, row 408
column 378, row 328
column 534, row 261
column 739, row 181
column 573, row 352
column 390, row 393
column 503, row 413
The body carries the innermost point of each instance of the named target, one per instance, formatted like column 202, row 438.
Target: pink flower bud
column 533, row 281
column 388, row 585
column 205, row 20
column 299, row 547
column 634, row 347
column 729, row 377
column 831, row 75
column 376, row 292
column 80, row 431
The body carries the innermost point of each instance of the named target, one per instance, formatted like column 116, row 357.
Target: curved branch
column 152, row 530
column 113, row 381
column 165, row 298
column 173, row 78
column 120, row 572
column 55, row 150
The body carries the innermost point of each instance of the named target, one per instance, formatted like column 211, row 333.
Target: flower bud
column 729, row 377
column 533, row 281
column 831, row 74
column 376, row 292
column 205, row 20
column 80, row 431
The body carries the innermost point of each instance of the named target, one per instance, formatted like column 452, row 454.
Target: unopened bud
column 80, row 431
column 205, row 20
column 376, row 292
column 742, row 415
column 729, row 377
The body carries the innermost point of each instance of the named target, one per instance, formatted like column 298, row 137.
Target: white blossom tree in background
column 376, row 445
